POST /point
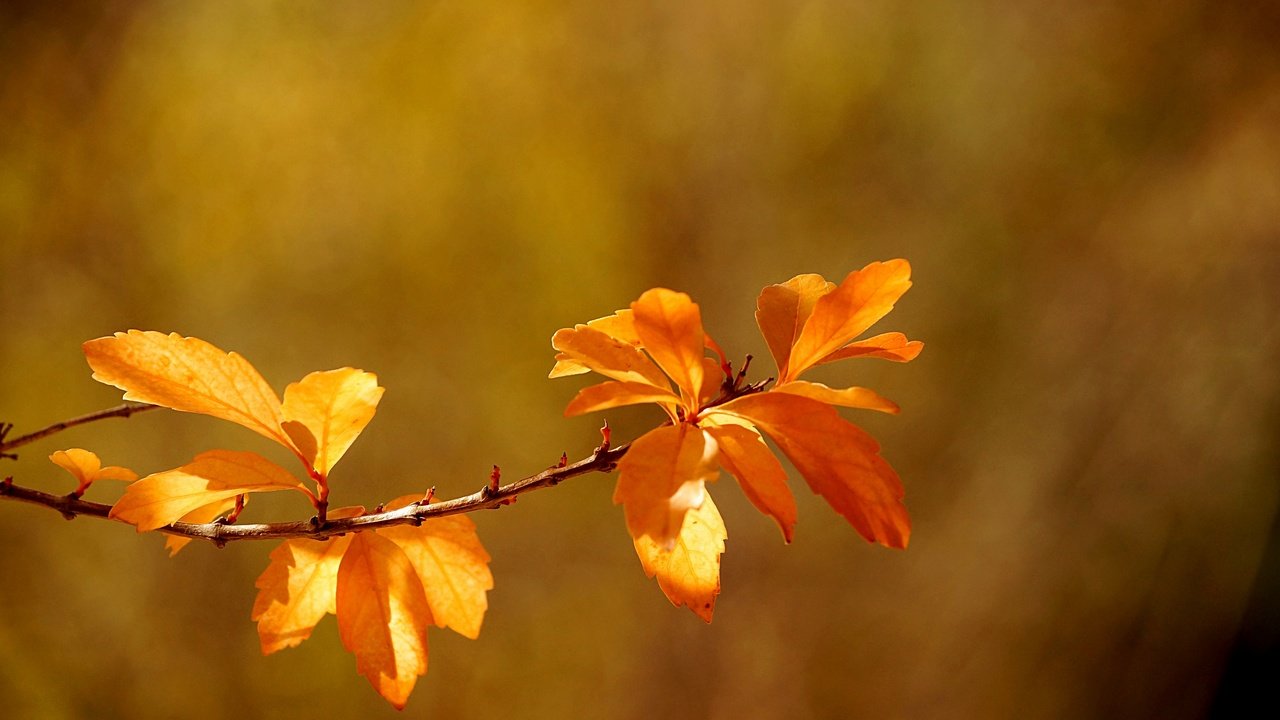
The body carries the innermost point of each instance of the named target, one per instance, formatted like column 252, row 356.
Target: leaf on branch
column 853, row 397
column 607, row 355
column 662, row 477
column 839, row 460
column 299, row 587
column 614, row 393
column 86, row 468
column 887, row 346
column 762, row 478
column 783, row 309
column 160, row 499
column 689, row 573
column 326, row 411
column 383, row 615
column 669, row 325
column 839, row 316
column 452, row 565
column 187, row 374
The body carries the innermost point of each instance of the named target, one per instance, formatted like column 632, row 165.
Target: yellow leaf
column 608, row 356
column 781, row 312
column 187, row 374
column 864, row 297
column 762, row 478
column 162, row 498
column 199, row 516
column 566, row 366
column 689, row 573
column 663, row 476
column 452, row 565
column 383, row 615
column 298, row 587
column 853, row 397
column 670, row 328
column 620, row 325
column 87, row 468
column 888, row 346
column 614, row 393
column 326, row 411
column 840, row 461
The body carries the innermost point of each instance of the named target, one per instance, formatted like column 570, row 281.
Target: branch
column 603, row 459
column 120, row 411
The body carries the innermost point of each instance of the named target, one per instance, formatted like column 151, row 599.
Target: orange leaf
column 613, row 393
column 452, row 565
column 763, row 480
column 620, row 325
column 87, row 468
column 661, row 477
column 853, row 397
column 888, row 346
column 689, row 573
column 160, row 499
column 326, row 411
column 670, row 328
column 781, row 312
column 383, row 615
column 712, row 376
column 566, row 366
column 608, row 356
column 187, row 374
column 864, row 297
column 299, row 587
column 840, row 461
column 199, row 516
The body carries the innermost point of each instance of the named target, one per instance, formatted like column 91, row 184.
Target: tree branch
column 120, row 411
column 603, row 459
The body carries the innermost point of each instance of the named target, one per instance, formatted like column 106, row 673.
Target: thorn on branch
column 495, row 480
column 564, row 462
column 6, row 485
column 605, row 434
column 431, row 495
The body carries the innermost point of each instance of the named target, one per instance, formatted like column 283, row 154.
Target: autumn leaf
column 662, row 477
column 187, row 374
column 87, row 468
column 614, row 393
column 839, row 316
column 888, row 346
column 853, row 397
column 689, row 573
column 452, row 565
column 607, row 355
column 383, row 615
column 762, row 478
column 840, row 461
column 299, row 587
column 160, row 499
column 783, row 309
column 669, row 325
column 326, row 411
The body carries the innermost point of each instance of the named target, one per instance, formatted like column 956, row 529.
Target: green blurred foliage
column 1089, row 195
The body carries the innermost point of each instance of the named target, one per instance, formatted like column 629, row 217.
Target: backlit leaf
column 87, row 468
column 661, row 477
column 162, row 498
column 608, row 356
column 781, row 312
column 187, row 374
column 888, row 346
column 614, row 393
column 853, row 397
column 763, row 479
column 326, row 411
column 839, row 460
column 670, row 328
column 383, row 615
column 839, row 316
column 689, row 573
column 299, row 587
column 452, row 565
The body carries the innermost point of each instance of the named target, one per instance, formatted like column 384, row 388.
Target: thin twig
column 602, row 460
column 120, row 411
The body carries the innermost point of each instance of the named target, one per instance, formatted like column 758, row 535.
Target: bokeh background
column 1089, row 195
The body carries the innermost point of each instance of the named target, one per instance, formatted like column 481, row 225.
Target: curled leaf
column 783, row 309
column 887, row 346
column 87, row 468
column 607, row 355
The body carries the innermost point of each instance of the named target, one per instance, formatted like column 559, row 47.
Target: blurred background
column 1089, row 195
